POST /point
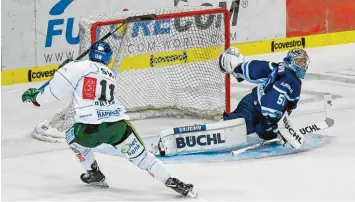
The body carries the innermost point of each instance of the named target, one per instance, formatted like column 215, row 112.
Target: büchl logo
column 291, row 131
column 288, row 44
column 57, row 26
column 201, row 140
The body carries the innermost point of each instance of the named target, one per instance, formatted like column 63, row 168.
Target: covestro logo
column 172, row 59
column 40, row 75
column 281, row 45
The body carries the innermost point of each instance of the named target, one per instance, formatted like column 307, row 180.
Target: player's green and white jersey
column 92, row 85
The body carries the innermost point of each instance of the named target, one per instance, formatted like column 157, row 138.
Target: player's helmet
column 298, row 61
column 100, row 52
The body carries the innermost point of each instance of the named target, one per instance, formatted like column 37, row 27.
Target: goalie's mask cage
column 163, row 67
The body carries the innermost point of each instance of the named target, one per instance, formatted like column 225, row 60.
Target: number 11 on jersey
column 111, row 87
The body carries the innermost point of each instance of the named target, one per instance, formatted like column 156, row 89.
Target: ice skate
column 94, row 177
column 180, row 187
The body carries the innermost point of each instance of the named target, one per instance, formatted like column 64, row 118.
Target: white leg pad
column 139, row 156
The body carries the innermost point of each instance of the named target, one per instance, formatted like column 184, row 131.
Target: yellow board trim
column 20, row 75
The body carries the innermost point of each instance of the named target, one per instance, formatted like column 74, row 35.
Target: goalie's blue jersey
column 278, row 90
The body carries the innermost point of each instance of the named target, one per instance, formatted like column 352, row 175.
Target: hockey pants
column 255, row 122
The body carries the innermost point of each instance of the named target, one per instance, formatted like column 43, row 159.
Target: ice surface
column 34, row 170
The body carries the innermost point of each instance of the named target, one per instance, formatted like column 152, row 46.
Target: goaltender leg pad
column 136, row 153
column 218, row 136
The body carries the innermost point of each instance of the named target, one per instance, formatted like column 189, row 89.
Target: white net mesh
column 164, row 67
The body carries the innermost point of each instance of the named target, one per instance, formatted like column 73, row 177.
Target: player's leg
column 246, row 110
column 255, row 122
column 133, row 148
column 85, row 155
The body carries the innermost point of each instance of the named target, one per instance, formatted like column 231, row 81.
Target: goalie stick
column 326, row 123
column 118, row 29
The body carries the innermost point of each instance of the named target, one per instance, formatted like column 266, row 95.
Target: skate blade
column 192, row 193
column 99, row 184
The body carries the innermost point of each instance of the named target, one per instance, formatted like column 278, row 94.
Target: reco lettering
column 164, row 26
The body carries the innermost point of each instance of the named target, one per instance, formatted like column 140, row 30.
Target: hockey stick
column 242, row 150
column 118, row 29
column 326, row 123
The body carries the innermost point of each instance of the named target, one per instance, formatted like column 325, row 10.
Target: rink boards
column 271, row 150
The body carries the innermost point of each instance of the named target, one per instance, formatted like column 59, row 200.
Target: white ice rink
column 34, row 170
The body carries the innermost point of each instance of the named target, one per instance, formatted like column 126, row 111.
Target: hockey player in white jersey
column 100, row 118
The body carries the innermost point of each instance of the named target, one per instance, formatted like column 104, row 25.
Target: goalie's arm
column 253, row 71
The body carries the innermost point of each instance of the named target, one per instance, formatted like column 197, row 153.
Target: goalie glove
column 30, row 96
column 230, row 59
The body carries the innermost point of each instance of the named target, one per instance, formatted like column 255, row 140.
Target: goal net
column 164, row 67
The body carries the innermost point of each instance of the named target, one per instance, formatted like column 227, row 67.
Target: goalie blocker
column 219, row 136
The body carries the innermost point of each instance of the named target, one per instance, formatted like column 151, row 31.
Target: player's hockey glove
column 30, row 96
column 267, row 128
column 291, row 106
column 65, row 62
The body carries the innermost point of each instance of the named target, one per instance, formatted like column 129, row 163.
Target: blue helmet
column 100, row 52
column 298, row 61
